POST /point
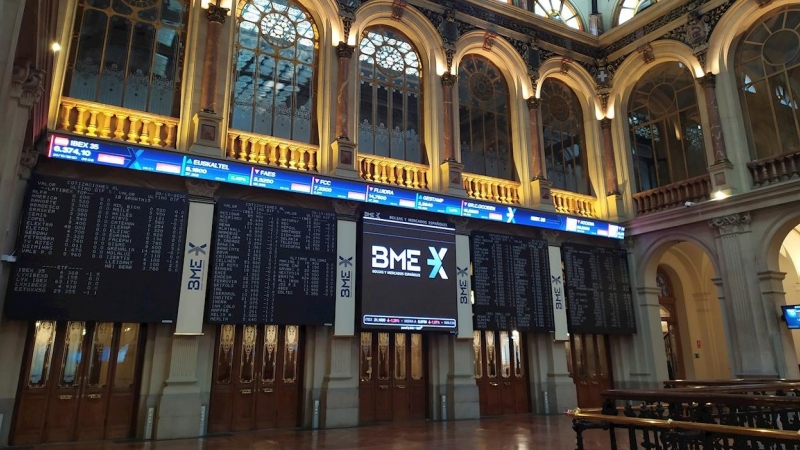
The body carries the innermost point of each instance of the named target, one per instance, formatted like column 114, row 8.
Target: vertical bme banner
column 464, row 281
column 557, row 287
column 191, row 305
column 344, row 324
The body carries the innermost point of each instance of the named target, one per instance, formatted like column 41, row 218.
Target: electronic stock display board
column 129, row 157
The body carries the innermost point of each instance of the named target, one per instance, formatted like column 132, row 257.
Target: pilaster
column 462, row 392
column 759, row 347
column 774, row 296
column 179, row 406
column 451, row 171
column 339, row 396
column 652, row 367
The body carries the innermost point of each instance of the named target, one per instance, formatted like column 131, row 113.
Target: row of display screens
column 226, row 171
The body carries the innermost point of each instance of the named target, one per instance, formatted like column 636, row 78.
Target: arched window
column 626, row 9
column 768, row 76
column 564, row 139
column 559, row 10
column 666, row 139
column 128, row 53
column 390, row 80
column 484, row 115
column 274, row 62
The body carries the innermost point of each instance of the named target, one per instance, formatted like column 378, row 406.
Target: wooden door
column 392, row 383
column 256, row 378
column 79, row 382
column 589, row 365
column 500, row 372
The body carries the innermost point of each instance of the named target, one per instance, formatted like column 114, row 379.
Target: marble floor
column 502, row 433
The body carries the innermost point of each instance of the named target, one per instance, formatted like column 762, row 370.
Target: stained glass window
column 564, row 140
column 129, row 53
column 390, row 85
column 558, row 10
column 484, row 115
column 767, row 65
column 626, row 9
column 274, row 64
column 664, row 120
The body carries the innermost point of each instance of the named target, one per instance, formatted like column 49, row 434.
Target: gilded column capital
column 216, row 14
column 201, row 188
column 344, row 51
column 605, row 123
column 533, row 102
column 345, row 209
column 708, row 81
column 448, row 79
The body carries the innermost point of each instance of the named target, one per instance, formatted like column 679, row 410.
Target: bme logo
column 408, row 260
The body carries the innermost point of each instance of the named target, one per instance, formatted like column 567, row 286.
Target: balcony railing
column 576, row 204
column 120, row 124
column 268, row 150
column 676, row 194
column 378, row 169
column 775, row 169
column 494, row 189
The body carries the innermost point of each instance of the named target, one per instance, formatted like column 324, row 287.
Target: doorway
column 500, row 372
column 669, row 327
column 392, row 377
column 589, row 364
column 256, row 378
column 79, row 382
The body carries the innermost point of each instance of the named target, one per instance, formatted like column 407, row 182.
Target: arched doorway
column 789, row 264
column 669, row 326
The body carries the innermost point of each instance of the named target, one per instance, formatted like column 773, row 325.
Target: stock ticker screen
column 408, row 273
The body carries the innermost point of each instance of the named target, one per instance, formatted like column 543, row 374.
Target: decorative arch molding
column 415, row 26
column 775, row 233
column 738, row 19
column 653, row 254
column 325, row 14
column 576, row 78
column 634, row 67
column 502, row 54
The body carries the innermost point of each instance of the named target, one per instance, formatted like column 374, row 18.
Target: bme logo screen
column 408, row 273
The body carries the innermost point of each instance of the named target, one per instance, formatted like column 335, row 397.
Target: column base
column 722, row 180
column 462, row 398
column 453, row 184
column 339, row 403
column 345, row 159
column 540, row 195
column 616, row 208
column 560, row 391
column 206, row 137
column 179, row 412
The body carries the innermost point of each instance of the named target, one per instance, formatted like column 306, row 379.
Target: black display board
column 511, row 282
column 98, row 252
column 272, row 265
column 408, row 273
column 598, row 290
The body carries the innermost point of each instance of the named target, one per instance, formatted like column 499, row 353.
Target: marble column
column 462, row 392
column 757, row 347
column 721, row 171
column 344, row 149
column 339, row 395
column 451, row 168
column 609, row 163
column 208, row 122
column 208, row 88
column 540, row 186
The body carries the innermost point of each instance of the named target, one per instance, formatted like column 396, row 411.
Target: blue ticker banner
column 78, row 149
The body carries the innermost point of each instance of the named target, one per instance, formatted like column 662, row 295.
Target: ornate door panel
column 589, row 365
column 79, row 382
column 500, row 372
column 392, row 377
column 257, row 383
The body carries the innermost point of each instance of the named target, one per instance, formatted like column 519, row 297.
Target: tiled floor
column 512, row 432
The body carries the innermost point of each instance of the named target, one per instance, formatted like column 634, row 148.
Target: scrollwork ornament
column 345, row 208
column 27, row 161
column 460, row 224
column 216, row 14
column 730, row 224
column 344, row 51
column 201, row 188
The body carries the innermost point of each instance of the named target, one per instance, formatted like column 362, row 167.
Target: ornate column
column 344, row 150
column 540, row 186
column 721, row 170
column 613, row 196
column 451, row 167
column 207, row 122
column 179, row 412
column 758, row 349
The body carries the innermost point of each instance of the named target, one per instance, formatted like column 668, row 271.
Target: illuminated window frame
column 555, row 10
column 626, row 9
